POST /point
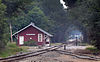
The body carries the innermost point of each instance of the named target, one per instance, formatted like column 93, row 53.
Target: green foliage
column 11, row 49
column 14, row 6
column 20, row 13
column 91, row 48
column 31, row 13
column 94, row 50
column 83, row 44
column 87, row 13
column 3, row 26
column 11, row 45
column 54, row 10
column 50, row 16
column 30, row 43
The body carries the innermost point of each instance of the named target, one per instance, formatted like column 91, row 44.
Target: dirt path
column 54, row 57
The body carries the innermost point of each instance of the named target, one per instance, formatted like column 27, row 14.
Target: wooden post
column 11, row 33
column 64, row 46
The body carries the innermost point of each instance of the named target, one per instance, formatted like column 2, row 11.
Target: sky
column 63, row 3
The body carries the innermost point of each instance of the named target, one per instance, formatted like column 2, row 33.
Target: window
column 39, row 37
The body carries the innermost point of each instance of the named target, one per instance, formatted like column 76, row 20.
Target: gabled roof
column 32, row 24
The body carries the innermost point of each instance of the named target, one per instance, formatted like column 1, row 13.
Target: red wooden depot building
column 32, row 32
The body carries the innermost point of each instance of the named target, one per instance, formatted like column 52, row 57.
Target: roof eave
column 36, row 28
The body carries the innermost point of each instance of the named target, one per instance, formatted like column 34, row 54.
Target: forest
column 50, row 15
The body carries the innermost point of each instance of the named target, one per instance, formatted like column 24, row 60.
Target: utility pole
column 11, row 33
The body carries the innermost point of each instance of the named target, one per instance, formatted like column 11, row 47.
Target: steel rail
column 29, row 54
column 80, row 56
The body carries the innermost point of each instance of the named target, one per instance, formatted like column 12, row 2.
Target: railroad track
column 29, row 54
column 80, row 56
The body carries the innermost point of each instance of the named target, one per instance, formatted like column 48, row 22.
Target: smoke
column 63, row 3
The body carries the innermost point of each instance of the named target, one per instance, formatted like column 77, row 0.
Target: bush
column 83, row 44
column 30, row 43
column 94, row 50
column 10, row 49
column 12, row 45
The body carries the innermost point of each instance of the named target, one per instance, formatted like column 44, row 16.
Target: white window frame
column 40, row 37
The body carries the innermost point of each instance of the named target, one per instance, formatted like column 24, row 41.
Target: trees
column 2, row 25
column 31, row 13
column 20, row 13
column 49, row 14
column 87, row 13
column 54, row 10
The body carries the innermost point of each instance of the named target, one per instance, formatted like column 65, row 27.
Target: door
column 47, row 42
column 21, row 40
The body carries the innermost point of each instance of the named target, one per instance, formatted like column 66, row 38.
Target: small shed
column 32, row 32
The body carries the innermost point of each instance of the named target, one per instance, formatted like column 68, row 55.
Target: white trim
column 16, row 36
column 32, row 24
column 30, row 34
column 43, row 31
column 40, row 37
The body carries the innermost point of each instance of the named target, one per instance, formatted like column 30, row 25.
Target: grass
column 24, row 48
column 11, row 49
column 53, row 44
column 83, row 44
column 93, row 50
column 30, row 43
